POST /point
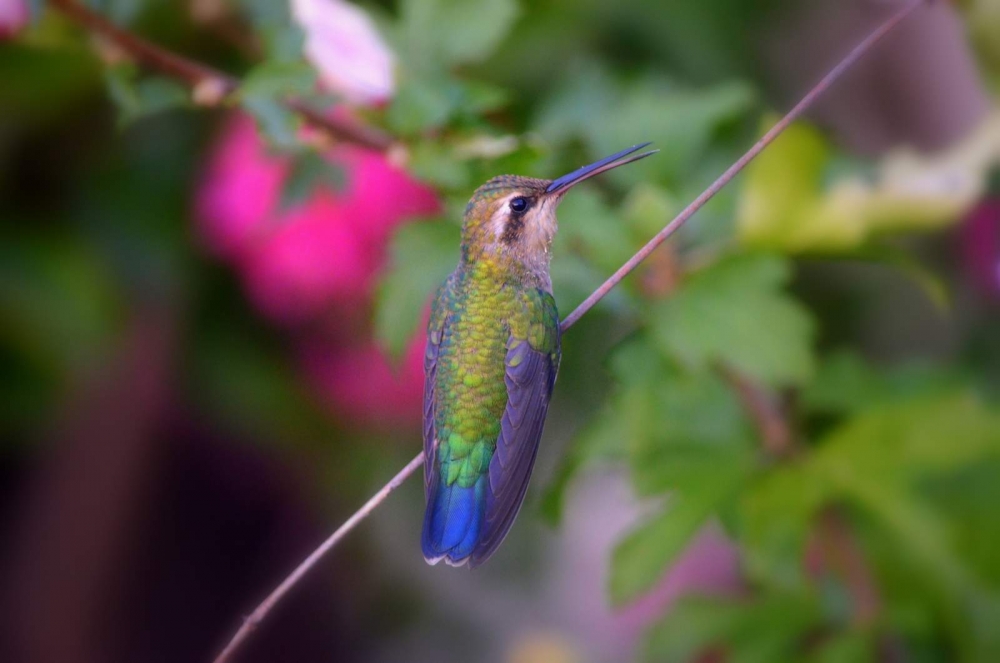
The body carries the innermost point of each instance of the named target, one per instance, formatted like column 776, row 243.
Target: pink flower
column 301, row 263
column 362, row 386
column 318, row 262
column 14, row 16
column 343, row 44
column 242, row 185
column 981, row 245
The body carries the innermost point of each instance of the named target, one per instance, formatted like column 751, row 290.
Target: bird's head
column 511, row 220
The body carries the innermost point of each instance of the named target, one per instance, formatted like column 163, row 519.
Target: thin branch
column 843, row 555
column 766, row 410
column 258, row 615
column 201, row 78
column 261, row 612
column 740, row 164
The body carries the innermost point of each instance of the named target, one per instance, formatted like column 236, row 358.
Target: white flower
column 343, row 44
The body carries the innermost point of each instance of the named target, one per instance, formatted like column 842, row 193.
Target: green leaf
column 309, row 171
column 422, row 256
column 880, row 462
column 625, row 418
column 776, row 516
column 684, row 121
column 797, row 198
column 58, row 303
column 283, row 42
column 850, row 647
column 694, row 423
column 644, row 555
column 768, row 629
column 845, row 384
column 278, row 79
column 277, row 123
column 734, row 312
column 435, row 163
column 120, row 11
column 436, row 34
column 592, row 229
column 137, row 98
column 431, row 102
column 420, row 104
column 590, row 104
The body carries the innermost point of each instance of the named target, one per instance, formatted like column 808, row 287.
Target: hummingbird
column 493, row 350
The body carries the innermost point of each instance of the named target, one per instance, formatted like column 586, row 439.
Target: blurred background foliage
column 778, row 440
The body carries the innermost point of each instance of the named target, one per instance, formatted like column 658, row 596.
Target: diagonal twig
column 261, row 612
column 217, row 84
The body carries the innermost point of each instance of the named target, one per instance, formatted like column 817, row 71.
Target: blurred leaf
column 931, row 283
column 58, row 304
column 844, row 384
column 430, row 102
column 277, row 124
column 764, row 630
column 436, row 34
column 694, row 424
column 42, row 83
column 420, row 104
column 734, row 312
column 310, row 170
column 278, row 79
column 846, row 648
column 266, row 13
column 263, row 91
column 283, row 42
column 776, row 515
column 645, row 554
column 422, row 256
column 681, row 121
column 903, row 441
column 648, row 208
column 119, row 11
column 791, row 201
column 968, row 497
column 880, row 460
column 436, row 164
column 138, row 98
column 592, row 229
column 253, row 388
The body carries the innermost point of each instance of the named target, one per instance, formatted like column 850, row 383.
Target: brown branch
column 766, row 410
column 250, row 623
column 262, row 611
column 210, row 86
column 843, row 555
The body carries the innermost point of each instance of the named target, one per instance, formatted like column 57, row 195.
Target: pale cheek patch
column 543, row 226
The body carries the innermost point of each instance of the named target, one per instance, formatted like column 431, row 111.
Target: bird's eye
column 518, row 205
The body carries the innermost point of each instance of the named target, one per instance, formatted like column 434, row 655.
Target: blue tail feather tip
column 453, row 522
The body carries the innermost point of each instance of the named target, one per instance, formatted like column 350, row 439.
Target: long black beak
column 598, row 167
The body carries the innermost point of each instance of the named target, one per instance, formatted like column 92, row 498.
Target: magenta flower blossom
column 363, row 387
column 981, row 245
column 240, row 190
column 14, row 17
column 299, row 263
column 318, row 262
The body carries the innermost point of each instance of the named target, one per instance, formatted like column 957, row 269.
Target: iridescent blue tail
column 453, row 521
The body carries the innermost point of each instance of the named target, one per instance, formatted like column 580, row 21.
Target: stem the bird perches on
column 264, row 608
